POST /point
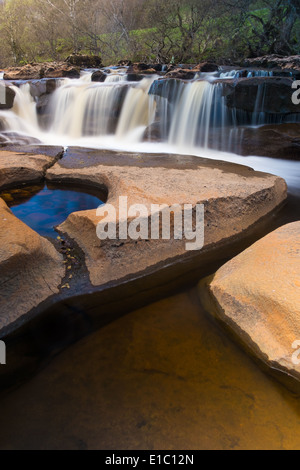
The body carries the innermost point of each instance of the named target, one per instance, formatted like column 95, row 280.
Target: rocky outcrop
column 275, row 62
column 62, row 71
column 181, row 74
column 235, row 199
column 257, row 296
column 98, row 76
column 30, row 268
column 121, row 275
column 39, row 88
column 281, row 141
column 165, row 88
column 7, row 97
column 38, row 71
column 86, row 61
column 206, row 67
column 146, row 69
column 275, row 95
column 17, row 168
column 189, row 72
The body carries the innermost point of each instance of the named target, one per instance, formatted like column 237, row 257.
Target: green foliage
column 147, row 30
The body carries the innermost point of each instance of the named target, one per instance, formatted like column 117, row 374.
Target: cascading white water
column 84, row 109
column 137, row 113
column 115, row 78
column 186, row 115
column 249, row 74
column 22, row 119
column 192, row 118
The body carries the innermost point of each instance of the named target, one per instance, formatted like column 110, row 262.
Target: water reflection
column 44, row 207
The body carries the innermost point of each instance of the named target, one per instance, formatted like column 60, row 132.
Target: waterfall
column 186, row 115
column 138, row 111
column 22, row 118
column 232, row 74
column 115, row 78
column 85, row 109
column 190, row 120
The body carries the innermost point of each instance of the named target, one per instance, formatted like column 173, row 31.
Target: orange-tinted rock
column 257, row 295
column 30, row 268
column 17, row 168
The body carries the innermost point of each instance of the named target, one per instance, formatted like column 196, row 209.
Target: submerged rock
column 30, row 268
column 257, row 295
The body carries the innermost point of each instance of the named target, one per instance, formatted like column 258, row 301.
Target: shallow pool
column 45, row 207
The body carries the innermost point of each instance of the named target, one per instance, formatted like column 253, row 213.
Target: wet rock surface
column 31, row 269
column 235, row 198
column 8, row 97
column 276, row 95
column 113, row 277
column 99, row 76
column 257, row 296
column 281, row 141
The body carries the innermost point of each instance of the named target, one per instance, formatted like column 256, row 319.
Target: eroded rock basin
column 44, row 207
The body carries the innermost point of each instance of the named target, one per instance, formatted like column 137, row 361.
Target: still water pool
column 45, row 207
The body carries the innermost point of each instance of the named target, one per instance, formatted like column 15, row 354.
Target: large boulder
column 42, row 87
column 87, row 61
column 181, row 74
column 99, row 76
column 41, row 91
column 281, row 141
column 30, row 268
column 235, row 199
column 206, row 67
column 272, row 95
column 141, row 68
column 18, row 168
column 257, row 296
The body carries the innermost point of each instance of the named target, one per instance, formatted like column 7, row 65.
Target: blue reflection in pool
column 50, row 207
